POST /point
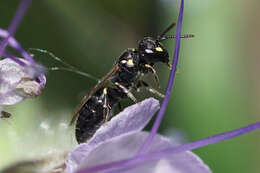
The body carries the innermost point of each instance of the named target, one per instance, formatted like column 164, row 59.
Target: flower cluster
column 122, row 137
column 17, row 83
column 19, row 78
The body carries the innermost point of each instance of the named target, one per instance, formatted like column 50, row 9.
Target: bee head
column 152, row 51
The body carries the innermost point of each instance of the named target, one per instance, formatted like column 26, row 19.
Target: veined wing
column 101, row 83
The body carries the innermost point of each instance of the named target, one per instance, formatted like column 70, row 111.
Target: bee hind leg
column 106, row 106
column 156, row 78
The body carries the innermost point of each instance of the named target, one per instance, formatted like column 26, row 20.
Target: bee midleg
column 106, row 106
column 154, row 73
column 127, row 92
column 143, row 84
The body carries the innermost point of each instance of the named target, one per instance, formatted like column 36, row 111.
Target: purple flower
column 122, row 137
column 19, row 78
column 17, row 83
column 114, row 146
column 130, row 152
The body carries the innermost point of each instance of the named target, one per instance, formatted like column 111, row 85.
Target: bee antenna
column 67, row 67
column 166, row 30
column 174, row 36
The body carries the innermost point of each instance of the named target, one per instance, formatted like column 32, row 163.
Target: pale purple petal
column 132, row 119
column 173, row 150
column 10, row 98
column 11, row 72
column 126, row 146
column 17, row 83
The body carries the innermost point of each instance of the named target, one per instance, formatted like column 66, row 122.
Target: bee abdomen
column 89, row 120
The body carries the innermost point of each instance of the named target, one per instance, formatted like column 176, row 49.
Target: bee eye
column 148, row 51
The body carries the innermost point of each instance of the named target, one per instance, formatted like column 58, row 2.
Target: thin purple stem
column 161, row 112
column 15, row 44
column 22, row 8
column 168, row 152
column 17, row 60
column 213, row 139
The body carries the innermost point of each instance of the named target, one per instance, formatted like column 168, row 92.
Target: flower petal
column 126, row 146
column 11, row 72
column 132, row 119
column 16, row 83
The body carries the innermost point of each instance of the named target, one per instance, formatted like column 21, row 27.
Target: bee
column 123, row 78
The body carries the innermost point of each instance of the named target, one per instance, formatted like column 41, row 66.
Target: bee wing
column 101, row 83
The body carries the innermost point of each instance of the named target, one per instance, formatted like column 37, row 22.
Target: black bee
column 95, row 108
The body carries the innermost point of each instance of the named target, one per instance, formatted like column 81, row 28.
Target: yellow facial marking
column 130, row 63
column 158, row 49
column 116, row 83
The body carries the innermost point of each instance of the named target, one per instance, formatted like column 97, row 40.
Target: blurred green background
column 216, row 88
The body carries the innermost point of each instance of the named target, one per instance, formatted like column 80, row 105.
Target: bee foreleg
column 154, row 73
